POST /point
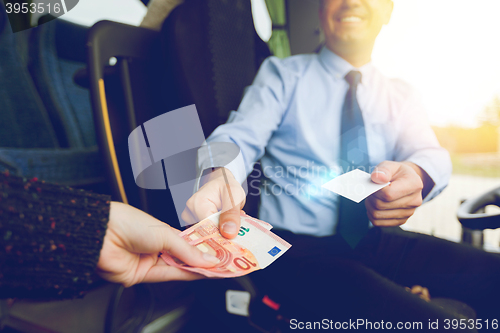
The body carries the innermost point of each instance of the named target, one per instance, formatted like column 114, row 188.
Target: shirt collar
column 339, row 67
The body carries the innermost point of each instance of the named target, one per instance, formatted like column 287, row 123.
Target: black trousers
column 325, row 278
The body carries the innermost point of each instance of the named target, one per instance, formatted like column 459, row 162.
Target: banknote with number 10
column 255, row 247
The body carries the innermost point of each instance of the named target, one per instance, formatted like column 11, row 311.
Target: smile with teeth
column 350, row 19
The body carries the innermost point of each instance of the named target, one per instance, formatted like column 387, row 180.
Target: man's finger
column 204, row 209
column 229, row 222
column 404, row 180
column 390, row 214
column 201, row 205
column 410, row 201
column 188, row 217
column 232, row 202
column 384, row 172
column 397, row 189
column 376, row 216
column 389, row 223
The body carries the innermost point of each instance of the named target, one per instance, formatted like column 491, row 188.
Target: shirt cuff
column 439, row 175
column 221, row 154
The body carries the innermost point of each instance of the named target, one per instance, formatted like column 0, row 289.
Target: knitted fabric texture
column 50, row 238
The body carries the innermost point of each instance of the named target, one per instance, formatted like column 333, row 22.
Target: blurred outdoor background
column 475, row 154
column 447, row 49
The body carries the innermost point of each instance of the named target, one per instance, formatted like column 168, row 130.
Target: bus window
column 89, row 12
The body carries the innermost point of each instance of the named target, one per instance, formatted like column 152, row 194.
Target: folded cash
column 255, row 247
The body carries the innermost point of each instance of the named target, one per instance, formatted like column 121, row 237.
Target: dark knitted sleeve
column 50, row 238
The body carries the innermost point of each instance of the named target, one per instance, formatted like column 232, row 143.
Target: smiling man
column 351, row 29
column 326, row 114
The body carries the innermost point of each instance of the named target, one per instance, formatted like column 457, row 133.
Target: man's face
column 353, row 22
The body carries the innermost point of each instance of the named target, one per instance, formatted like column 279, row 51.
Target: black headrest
column 213, row 46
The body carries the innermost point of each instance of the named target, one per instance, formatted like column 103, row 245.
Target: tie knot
column 353, row 78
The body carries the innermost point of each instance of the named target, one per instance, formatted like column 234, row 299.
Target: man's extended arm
column 250, row 128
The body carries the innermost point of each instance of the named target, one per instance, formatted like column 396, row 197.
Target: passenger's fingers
column 176, row 231
column 189, row 254
column 162, row 273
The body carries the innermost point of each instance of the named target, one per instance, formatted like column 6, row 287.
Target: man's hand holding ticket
column 393, row 191
column 355, row 185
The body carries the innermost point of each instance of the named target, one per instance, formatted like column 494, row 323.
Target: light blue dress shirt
column 289, row 118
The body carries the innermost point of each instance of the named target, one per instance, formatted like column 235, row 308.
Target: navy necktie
column 353, row 221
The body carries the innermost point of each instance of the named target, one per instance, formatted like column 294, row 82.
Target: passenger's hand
column 395, row 203
column 220, row 192
column 131, row 246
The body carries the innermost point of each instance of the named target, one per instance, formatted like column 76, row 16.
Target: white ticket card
column 355, row 185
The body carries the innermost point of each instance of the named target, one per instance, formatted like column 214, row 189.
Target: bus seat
column 189, row 62
column 211, row 46
column 57, row 51
column 29, row 144
column 23, row 121
column 122, row 99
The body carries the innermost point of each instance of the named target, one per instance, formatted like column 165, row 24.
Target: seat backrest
column 29, row 144
column 214, row 52
column 211, row 48
column 123, row 96
column 205, row 55
column 23, row 119
column 57, row 51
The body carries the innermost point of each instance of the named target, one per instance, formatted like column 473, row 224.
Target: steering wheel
column 467, row 215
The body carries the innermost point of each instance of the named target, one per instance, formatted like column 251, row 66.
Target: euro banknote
column 255, row 247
